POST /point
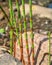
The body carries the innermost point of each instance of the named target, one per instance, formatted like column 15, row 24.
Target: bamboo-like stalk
column 31, row 30
column 20, row 29
column 11, row 31
column 49, row 35
column 15, row 40
column 14, row 35
column 25, row 30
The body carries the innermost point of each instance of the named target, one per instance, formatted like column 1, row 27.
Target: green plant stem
column 49, row 35
column 20, row 29
column 11, row 41
column 11, row 31
column 31, row 30
column 15, row 35
column 11, row 12
column 25, row 30
column 18, row 9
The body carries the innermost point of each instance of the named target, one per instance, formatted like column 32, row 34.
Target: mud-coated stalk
column 25, row 30
column 20, row 29
column 21, row 44
column 49, row 36
column 14, row 45
column 16, row 40
column 14, row 35
column 11, row 31
column 31, row 30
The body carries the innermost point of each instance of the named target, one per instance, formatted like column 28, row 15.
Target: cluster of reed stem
column 19, row 33
column 12, row 21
